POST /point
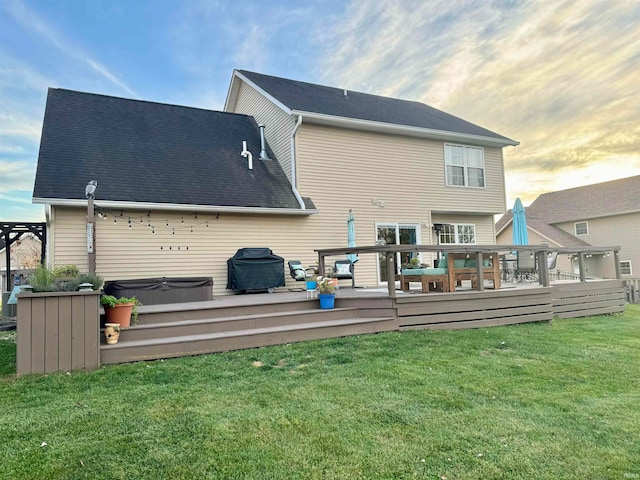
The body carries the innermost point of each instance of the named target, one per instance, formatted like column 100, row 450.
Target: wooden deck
column 255, row 320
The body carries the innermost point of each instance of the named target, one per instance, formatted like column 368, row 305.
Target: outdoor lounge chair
column 297, row 271
column 444, row 278
column 464, row 268
column 300, row 274
column 343, row 269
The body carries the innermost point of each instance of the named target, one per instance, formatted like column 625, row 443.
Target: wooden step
column 225, row 324
column 150, row 349
column 216, row 309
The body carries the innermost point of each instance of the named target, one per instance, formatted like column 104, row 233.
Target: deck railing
column 632, row 287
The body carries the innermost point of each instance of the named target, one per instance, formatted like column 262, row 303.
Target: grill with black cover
column 253, row 269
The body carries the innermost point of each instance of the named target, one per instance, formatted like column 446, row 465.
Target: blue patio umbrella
column 520, row 235
column 351, row 236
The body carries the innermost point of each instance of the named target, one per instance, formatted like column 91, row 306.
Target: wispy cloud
column 563, row 82
column 16, row 175
column 32, row 22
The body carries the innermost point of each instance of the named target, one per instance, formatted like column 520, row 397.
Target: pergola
column 11, row 232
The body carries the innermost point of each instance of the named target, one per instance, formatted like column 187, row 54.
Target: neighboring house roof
column 591, row 201
column 617, row 197
column 153, row 155
column 318, row 102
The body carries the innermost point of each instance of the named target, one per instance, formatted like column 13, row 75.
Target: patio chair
column 344, row 269
column 300, row 274
column 297, row 271
column 526, row 266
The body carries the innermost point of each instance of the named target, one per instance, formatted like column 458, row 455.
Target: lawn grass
column 537, row 401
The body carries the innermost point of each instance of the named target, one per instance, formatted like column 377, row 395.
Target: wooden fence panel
column 58, row 332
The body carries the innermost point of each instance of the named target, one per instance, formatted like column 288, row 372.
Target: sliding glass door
column 395, row 234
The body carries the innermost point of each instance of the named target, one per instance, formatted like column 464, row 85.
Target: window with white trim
column 464, row 166
column 625, row 267
column 452, row 234
column 581, row 228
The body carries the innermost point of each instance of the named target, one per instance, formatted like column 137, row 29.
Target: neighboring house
column 25, row 254
column 604, row 214
column 177, row 198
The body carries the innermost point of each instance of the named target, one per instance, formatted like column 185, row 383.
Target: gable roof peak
column 330, row 105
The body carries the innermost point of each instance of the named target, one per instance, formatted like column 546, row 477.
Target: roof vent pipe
column 263, row 149
column 246, row 153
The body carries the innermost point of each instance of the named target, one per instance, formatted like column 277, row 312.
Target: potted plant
column 326, row 292
column 112, row 332
column 123, row 310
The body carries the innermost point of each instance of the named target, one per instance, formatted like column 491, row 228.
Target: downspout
column 293, row 163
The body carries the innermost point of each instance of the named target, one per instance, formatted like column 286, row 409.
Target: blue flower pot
column 327, row 300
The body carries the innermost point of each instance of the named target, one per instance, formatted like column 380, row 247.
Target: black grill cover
column 255, row 269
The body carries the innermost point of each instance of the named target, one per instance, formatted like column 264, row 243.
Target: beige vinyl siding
column 278, row 124
column 615, row 230
column 70, row 232
column 126, row 253
column 406, row 172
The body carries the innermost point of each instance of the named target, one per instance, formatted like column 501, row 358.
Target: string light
column 103, row 213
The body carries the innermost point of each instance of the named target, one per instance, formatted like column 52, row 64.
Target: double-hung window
column 459, row 233
column 464, row 165
column 581, row 228
column 625, row 267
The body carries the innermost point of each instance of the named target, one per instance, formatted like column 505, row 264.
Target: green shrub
column 66, row 271
column 43, row 280
column 58, row 279
column 96, row 280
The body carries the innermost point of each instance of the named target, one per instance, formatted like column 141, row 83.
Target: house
column 181, row 189
column 602, row 214
column 25, row 251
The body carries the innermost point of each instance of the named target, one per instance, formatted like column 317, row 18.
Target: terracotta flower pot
column 111, row 332
column 120, row 313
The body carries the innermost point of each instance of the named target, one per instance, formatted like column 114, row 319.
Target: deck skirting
column 475, row 309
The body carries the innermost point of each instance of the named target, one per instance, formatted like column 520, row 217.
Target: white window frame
column 458, row 232
column 586, row 226
column 628, row 262
column 465, row 163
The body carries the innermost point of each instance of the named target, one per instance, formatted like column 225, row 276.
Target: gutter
column 176, row 207
column 373, row 126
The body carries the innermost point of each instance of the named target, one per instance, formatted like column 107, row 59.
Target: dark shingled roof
column 142, row 151
column 577, row 204
column 308, row 97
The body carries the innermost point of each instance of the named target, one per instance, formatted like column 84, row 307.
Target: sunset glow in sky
column 560, row 77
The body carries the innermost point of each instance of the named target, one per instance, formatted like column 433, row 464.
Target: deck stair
column 166, row 331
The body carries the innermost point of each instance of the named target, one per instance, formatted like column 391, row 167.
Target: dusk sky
column 560, row 77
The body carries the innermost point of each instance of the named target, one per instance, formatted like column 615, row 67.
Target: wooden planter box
column 58, row 332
